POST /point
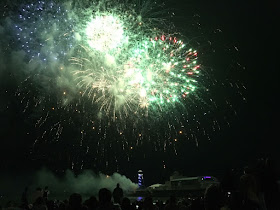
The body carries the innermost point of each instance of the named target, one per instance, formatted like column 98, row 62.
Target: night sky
column 248, row 25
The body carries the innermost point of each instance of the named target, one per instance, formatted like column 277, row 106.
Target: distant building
column 181, row 186
column 191, row 183
column 140, row 178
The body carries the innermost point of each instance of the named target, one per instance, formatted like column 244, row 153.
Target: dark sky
column 249, row 25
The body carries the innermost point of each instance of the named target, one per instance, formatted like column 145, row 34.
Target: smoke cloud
column 87, row 183
column 37, row 50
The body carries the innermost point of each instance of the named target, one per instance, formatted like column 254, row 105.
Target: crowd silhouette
column 255, row 189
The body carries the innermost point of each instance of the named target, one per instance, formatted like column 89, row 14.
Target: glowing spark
column 104, row 33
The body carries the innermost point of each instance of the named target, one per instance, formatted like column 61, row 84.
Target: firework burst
column 111, row 76
column 45, row 31
column 153, row 74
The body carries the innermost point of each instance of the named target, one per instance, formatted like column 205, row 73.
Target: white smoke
column 87, row 183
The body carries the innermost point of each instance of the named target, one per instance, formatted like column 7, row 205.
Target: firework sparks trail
column 45, row 31
column 156, row 72
column 114, row 72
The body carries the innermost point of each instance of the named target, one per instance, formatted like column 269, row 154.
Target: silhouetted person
column 148, row 204
column 182, row 205
column 172, row 204
column 126, row 204
column 24, row 200
column 46, row 193
column 38, row 193
column 10, row 205
column 270, row 185
column 118, row 194
column 105, row 202
column 51, row 204
column 75, row 202
column 62, row 206
column 91, row 203
column 250, row 194
column 213, row 198
column 160, row 204
column 39, row 204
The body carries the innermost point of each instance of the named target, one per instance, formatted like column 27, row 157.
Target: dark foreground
column 256, row 189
